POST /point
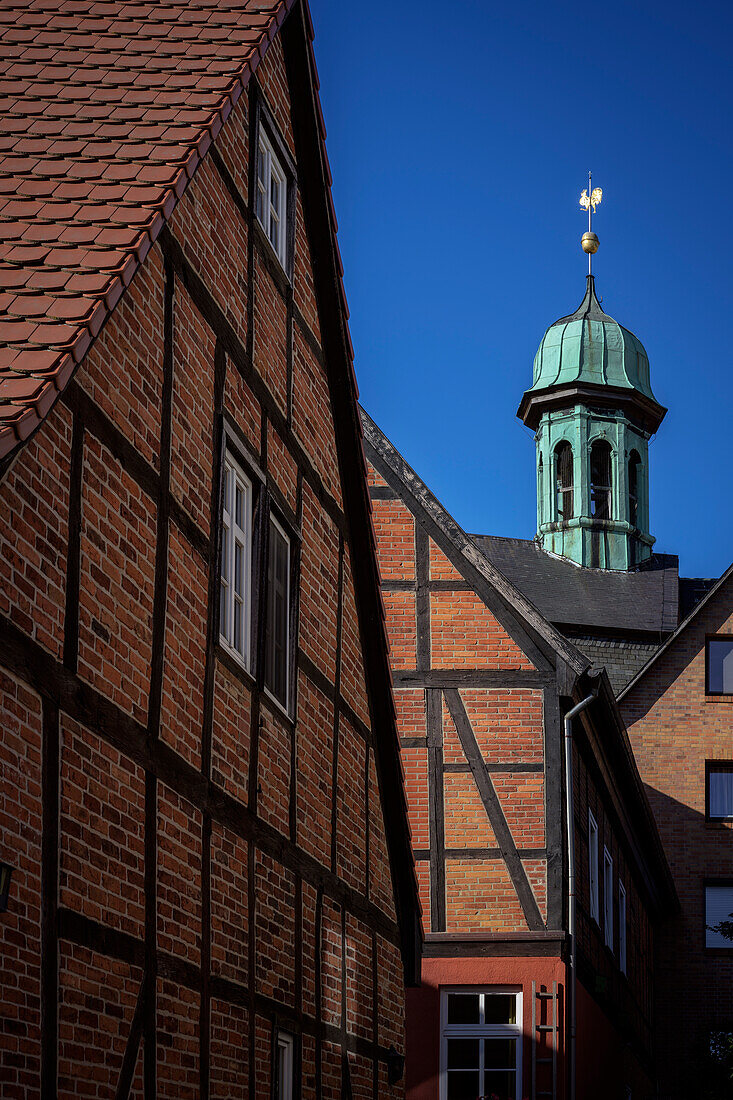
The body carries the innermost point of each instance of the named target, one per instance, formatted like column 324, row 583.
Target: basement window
column 481, row 1044
column 235, row 581
column 564, row 473
column 719, row 665
column 271, row 200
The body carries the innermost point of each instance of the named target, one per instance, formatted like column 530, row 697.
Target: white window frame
column 608, row 897
column 269, row 215
column 286, row 703
column 235, row 536
column 285, row 1051
column 480, row 1031
column 593, row 866
column 622, row 959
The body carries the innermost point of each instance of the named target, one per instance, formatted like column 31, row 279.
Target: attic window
column 564, row 468
column 271, row 202
column 600, row 480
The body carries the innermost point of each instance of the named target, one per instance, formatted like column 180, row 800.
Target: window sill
column 273, row 263
column 234, row 664
column 282, row 710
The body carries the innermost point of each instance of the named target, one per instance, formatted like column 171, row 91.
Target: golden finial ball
column 590, row 243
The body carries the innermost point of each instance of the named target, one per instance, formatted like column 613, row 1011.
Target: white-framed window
column 719, row 915
column 277, row 616
column 608, row 898
column 621, row 926
column 284, row 1066
column 235, row 579
column 481, row 1043
column 271, row 202
column 720, row 790
column 593, row 865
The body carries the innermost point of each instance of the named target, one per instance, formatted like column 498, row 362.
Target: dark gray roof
column 567, row 594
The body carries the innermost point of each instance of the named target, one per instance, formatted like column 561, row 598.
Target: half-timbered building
column 211, row 886
column 534, row 984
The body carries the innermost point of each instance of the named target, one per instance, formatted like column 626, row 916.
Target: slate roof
column 106, row 111
column 566, row 594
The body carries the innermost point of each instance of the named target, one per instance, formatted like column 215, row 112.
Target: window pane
column 276, row 626
column 462, row 1085
column 238, row 626
column 500, row 1008
column 261, row 164
column 719, row 916
column 500, row 1053
column 223, row 607
column 721, row 793
column 720, row 665
column 275, row 193
column 238, row 506
column 463, row 1054
column 463, row 1008
column 502, row 1085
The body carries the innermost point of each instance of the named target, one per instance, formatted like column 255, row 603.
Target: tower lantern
column 593, row 412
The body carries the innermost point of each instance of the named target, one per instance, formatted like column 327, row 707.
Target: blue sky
column 460, row 137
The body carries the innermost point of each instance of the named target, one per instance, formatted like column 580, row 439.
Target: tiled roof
column 107, row 110
column 567, row 594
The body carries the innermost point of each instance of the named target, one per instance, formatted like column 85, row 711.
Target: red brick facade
column 480, row 684
column 675, row 727
column 196, row 869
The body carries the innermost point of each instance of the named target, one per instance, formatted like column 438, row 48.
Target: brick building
column 482, row 681
column 678, row 713
column 212, row 888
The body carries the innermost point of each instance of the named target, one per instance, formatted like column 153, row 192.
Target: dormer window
column 271, row 201
column 564, row 468
column 600, row 480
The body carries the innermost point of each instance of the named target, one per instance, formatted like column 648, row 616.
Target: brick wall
column 674, row 728
column 222, row 866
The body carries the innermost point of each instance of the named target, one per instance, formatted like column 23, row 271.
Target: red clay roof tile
column 107, row 110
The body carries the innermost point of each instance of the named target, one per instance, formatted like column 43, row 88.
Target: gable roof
column 566, row 593
column 107, row 110
column 709, row 595
column 467, row 556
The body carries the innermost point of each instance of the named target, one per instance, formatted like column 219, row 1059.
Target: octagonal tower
column 593, row 412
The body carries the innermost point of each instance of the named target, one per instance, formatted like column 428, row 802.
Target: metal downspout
column 569, row 821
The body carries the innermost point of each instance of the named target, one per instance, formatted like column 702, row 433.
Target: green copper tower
column 593, row 412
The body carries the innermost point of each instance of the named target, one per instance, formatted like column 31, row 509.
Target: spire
column 589, row 200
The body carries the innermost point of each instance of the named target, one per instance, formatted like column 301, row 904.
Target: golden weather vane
column 589, row 200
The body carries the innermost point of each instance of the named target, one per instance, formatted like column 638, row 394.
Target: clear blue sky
column 460, row 137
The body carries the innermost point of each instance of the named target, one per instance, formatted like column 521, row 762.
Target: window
column 481, row 1044
column 277, row 621
column 600, row 480
column 719, row 665
column 564, row 470
column 593, row 865
column 719, row 795
column 540, row 489
column 608, row 898
column 236, row 561
column 634, row 465
column 272, row 196
column 284, row 1067
column 621, row 926
column 719, row 915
